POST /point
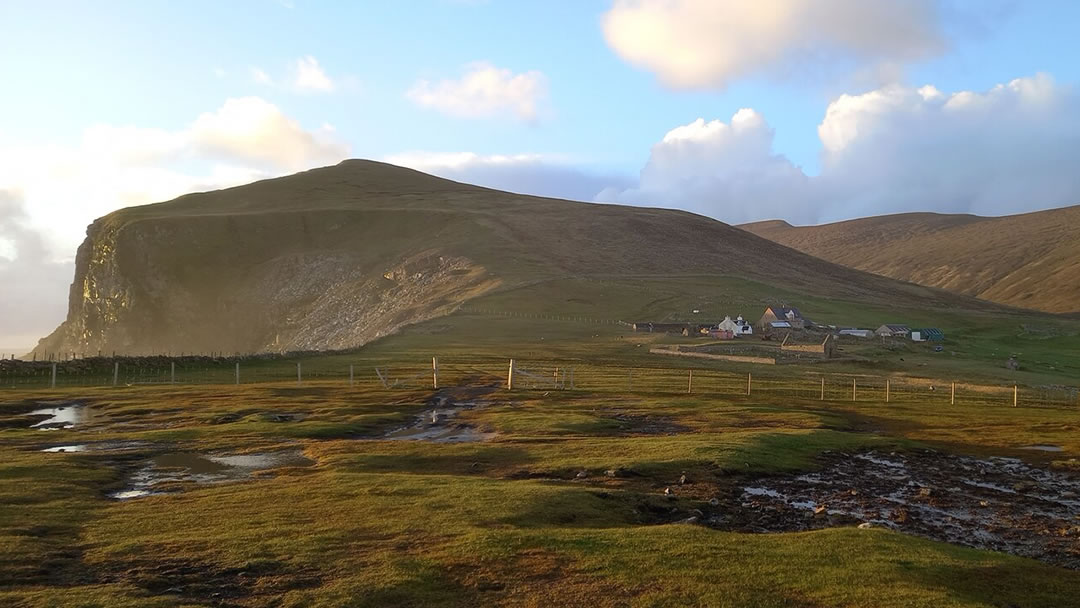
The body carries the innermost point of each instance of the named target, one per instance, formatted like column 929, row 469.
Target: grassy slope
column 230, row 270
column 384, row 523
column 1030, row 260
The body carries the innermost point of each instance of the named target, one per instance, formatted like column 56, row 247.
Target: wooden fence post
column 823, row 388
column 886, row 390
column 1016, row 390
column 350, row 376
column 690, row 383
column 748, row 382
column 435, row 373
column 510, row 377
column 172, row 372
column 116, row 373
column 53, row 383
column 952, row 395
column 571, row 378
column 853, row 389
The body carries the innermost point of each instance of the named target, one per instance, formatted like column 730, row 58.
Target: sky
column 804, row 110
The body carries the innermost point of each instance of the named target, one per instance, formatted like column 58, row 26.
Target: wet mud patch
column 1001, row 504
column 644, row 424
column 201, row 582
column 174, row 471
column 439, row 424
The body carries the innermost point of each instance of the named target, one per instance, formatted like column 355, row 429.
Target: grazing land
column 609, row 493
column 1027, row 260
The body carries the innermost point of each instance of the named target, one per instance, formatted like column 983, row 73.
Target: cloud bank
column 710, row 43
column 1006, row 150
column 522, row 173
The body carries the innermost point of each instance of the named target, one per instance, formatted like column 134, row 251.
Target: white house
column 738, row 327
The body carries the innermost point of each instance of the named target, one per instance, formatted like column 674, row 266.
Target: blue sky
column 105, row 105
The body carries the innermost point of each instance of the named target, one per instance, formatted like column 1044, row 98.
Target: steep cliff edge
column 336, row 257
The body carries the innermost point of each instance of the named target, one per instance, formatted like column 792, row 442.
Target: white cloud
column 709, row 43
column 523, row 173
column 484, row 90
column 1010, row 149
column 724, row 170
column 254, row 130
column 309, row 76
column 34, row 286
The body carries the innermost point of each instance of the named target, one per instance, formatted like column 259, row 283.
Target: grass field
column 499, row 522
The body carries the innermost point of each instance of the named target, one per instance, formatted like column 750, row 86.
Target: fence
column 529, row 375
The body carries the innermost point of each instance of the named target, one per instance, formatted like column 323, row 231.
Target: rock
column 698, row 512
column 853, row 492
column 984, row 503
column 925, row 492
column 715, row 502
column 689, row 520
column 683, row 480
column 1024, row 486
column 820, row 511
column 581, row 474
column 669, row 493
column 865, row 525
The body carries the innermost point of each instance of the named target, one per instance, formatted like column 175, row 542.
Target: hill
column 336, row 257
column 1029, row 261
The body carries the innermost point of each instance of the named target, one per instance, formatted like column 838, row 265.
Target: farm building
column 893, row 331
column 782, row 314
column 858, row 333
column 721, row 334
column 826, row 349
column 927, row 334
column 738, row 327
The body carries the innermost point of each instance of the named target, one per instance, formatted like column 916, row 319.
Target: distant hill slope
column 336, row 257
column 1029, row 261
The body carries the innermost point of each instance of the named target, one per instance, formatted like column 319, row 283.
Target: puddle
column 437, row 425
column 1000, row 504
column 647, row 424
column 64, row 416
column 66, row 448
column 100, row 446
column 165, row 471
column 1043, row 448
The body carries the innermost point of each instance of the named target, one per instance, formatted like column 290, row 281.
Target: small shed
column 927, row 334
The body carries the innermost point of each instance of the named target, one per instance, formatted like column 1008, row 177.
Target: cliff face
column 250, row 283
column 335, row 257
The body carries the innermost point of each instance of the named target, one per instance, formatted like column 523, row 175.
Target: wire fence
column 530, row 375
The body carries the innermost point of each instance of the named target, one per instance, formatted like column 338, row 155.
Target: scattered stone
column 714, row 502
column 984, row 503
column 669, row 493
column 683, row 480
column 689, row 520
column 925, row 492
column 581, row 475
column 820, row 511
column 865, row 525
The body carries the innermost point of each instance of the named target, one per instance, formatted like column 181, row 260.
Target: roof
column 929, row 331
column 892, row 327
column 780, row 324
column 782, row 311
